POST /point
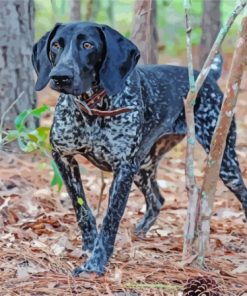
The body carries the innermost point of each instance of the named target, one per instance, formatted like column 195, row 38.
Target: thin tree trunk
column 144, row 31
column 210, row 28
column 193, row 213
column 189, row 103
column 16, row 72
column 89, row 14
column 110, row 12
column 219, row 140
column 96, row 8
column 75, row 10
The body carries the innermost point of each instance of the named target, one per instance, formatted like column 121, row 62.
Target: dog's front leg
column 69, row 170
column 104, row 243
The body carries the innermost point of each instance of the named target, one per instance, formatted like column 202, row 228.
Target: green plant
column 32, row 139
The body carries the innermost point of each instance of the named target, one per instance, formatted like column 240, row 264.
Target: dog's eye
column 87, row 45
column 56, row 45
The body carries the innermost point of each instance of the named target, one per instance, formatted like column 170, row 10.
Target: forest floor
column 40, row 242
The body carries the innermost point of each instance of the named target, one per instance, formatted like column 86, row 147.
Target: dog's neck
column 93, row 91
column 92, row 100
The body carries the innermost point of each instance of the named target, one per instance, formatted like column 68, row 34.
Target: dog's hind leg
column 145, row 180
column 69, row 170
column 230, row 172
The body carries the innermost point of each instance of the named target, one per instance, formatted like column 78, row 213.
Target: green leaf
column 57, row 178
column 40, row 110
column 12, row 135
column 26, row 146
column 80, row 200
column 33, row 137
column 20, row 119
column 31, row 146
column 41, row 134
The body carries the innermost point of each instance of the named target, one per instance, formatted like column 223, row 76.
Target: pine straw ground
column 40, row 241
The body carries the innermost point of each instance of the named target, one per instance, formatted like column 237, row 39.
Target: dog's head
column 76, row 55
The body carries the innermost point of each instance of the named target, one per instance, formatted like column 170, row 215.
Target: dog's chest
column 105, row 141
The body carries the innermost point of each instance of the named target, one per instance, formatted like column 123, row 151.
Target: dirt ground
column 40, row 242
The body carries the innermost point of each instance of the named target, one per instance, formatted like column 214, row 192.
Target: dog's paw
column 77, row 271
column 141, row 228
column 88, row 268
column 145, row 223
column 83, row 273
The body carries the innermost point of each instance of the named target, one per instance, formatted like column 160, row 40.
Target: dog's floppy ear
column 120, row 59
column 40, row 60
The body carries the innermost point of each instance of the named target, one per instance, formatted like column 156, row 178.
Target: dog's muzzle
column 62, row 80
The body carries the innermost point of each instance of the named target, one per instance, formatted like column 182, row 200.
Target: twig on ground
column 8, row 109
column 102, row 188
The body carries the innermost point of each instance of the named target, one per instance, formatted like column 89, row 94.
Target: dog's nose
column 61, row 80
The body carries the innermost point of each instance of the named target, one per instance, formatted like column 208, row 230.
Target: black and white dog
column 123, row 118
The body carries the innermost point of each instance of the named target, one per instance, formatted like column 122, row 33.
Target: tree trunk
column 75, row 10
column 210, row 27
column 144, row 31
column 195, row 212
column 110, row 12
column 16, row 71
column 218, row 142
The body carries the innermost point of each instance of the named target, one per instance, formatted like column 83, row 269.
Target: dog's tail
column 216, row 67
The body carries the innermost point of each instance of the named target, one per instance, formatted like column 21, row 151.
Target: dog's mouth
column 82, row 96
column 60, row 87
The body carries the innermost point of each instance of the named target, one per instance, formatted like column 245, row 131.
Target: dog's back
column 164, row 88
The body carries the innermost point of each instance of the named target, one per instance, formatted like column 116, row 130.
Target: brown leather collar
column 89, row 105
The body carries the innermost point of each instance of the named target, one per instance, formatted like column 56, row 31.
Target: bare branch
column 8, row 109
column 194, row 203
column 219, row 140
column 191, row 186
column 215, row 48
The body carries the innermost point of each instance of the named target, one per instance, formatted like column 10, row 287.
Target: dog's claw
column 142, row 227
column 85, row 271
column 82, row 272
column 77, row 271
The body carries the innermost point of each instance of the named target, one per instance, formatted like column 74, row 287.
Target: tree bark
column 144, row 31
column 210, row 28
column 16, row 71
column 189, row 103
column 75, row 10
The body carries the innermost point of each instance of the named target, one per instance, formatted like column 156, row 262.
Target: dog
column 123, row 118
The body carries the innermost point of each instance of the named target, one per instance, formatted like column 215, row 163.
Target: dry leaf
column 60, row 246
column 241, row 269
column 163, row 232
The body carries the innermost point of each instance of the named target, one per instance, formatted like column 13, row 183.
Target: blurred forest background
column 120, row 15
